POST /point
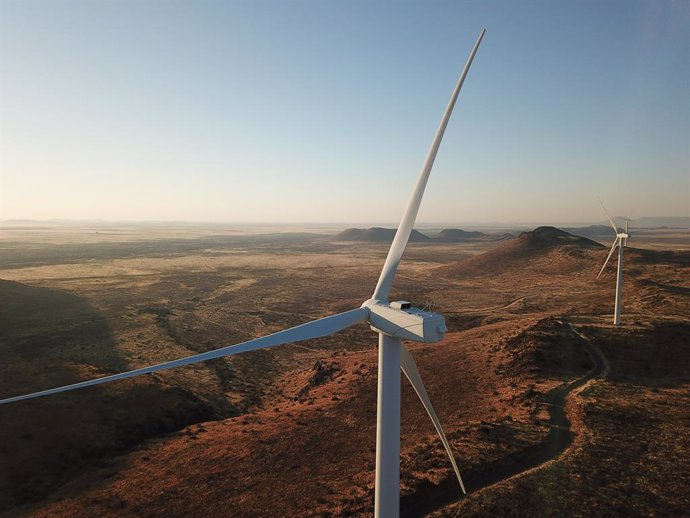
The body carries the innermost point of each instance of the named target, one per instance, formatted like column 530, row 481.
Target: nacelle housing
column 400, row 320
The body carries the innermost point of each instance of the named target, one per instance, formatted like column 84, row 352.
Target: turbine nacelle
column 400, row 320
column 623, row 236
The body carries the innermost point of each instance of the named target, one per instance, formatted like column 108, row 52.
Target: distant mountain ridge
column 447, row 235
column 656, row 222
column 377, row 234
column 596, row 231
column 454, row 235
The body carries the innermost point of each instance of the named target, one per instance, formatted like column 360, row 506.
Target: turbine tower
column 622, row 242
column 393, row 321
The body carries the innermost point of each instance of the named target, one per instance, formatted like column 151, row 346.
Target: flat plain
column 549, row 408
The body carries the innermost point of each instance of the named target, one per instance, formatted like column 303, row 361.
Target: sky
column 323, row 111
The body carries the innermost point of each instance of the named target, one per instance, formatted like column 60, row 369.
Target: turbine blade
column 409, row 367
column 613, row 247
column 615, row 228
column 402, row 235
column 314, row 329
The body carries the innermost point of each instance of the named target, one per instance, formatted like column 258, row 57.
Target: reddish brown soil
column 632, row 438
column 312, row 452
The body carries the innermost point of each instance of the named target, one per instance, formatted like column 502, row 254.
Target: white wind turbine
column 393, row 321
column 621, row 241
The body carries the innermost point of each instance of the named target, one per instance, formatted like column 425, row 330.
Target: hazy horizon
column 322, row 113
column 663, row 220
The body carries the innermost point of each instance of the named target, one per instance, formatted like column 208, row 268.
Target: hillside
column 547, row 249
column 321, row 428
column 49, row 338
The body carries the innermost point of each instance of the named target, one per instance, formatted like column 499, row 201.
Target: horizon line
column 351, row 224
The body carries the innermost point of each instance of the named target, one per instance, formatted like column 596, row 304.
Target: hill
column 547, row 249
column 377, row 234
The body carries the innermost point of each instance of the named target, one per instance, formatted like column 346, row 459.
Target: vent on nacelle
column 401, row 304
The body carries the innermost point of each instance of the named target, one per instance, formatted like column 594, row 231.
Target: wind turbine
column 622, row 242
column 393, row 321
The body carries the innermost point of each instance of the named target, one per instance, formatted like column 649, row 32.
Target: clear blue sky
column 323, row 111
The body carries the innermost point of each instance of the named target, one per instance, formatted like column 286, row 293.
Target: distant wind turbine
column 622, row 242
column 393, row 321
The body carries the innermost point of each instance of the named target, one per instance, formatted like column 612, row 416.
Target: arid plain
column 550, row 409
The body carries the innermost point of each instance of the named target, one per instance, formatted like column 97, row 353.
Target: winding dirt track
column 504, row 306
column 429, row 497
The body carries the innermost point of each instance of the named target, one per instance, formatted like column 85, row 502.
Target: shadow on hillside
column 652, row 357
column 50, row 338
column 673, row 257
column 671, row 288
